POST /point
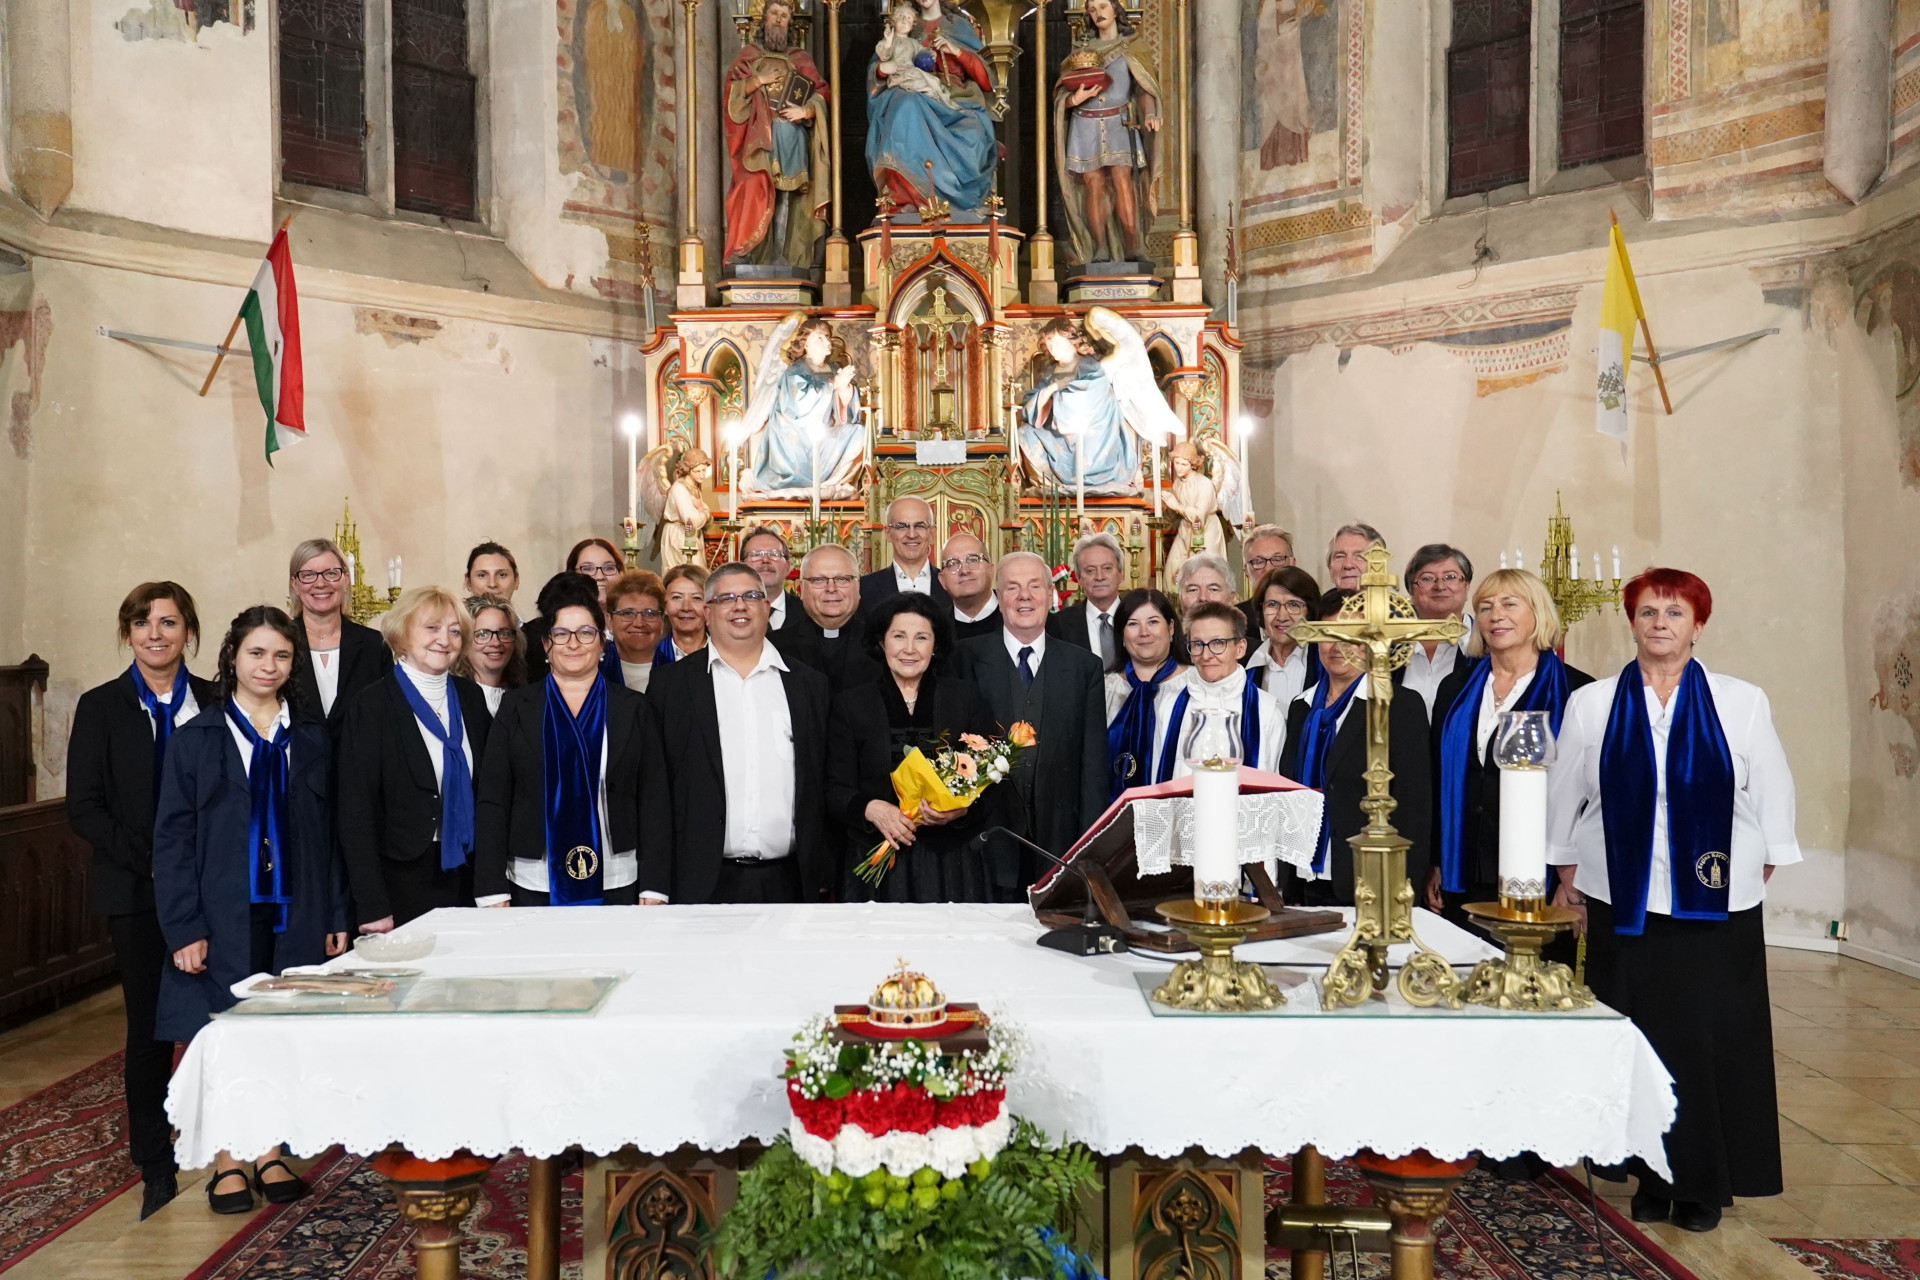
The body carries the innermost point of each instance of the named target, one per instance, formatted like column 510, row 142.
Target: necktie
column 1026, row 666
column 1106, row 639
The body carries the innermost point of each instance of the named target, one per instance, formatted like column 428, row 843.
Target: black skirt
column 1698, row 990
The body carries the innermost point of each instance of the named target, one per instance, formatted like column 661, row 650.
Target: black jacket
column 682, row 694
column 1064, row 785
column 1256, row 632
column 364, row 658
column 110, row 790
column 1480, row 830
column 1070, row 625
column 1409, row 757
column 882, row 585
column 842, row 659
column 510, row 818
column 388, row 801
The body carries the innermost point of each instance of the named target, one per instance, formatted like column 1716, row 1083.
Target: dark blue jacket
column 200, row 865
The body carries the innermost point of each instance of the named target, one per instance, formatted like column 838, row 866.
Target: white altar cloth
column 687, row 1049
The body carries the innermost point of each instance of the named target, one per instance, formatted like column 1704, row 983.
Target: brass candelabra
column 1574, row 596
column 364, row 602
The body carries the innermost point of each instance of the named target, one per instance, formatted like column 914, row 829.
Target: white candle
column 1523, row 833
column 1573, row 560
column 1216, row 835
column 631, row 425
column 1519, row 558
column 1616, row 564
column 393, row 574
column 1596, row 566
column 1156, row 478
column 1503, row 559
column 350, row 578
column 1079, row 476
column 733, row 485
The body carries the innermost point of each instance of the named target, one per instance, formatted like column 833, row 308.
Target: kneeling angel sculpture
column 1087, row 414
column 803, row 418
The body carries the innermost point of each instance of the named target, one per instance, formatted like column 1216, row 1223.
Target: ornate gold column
column 692, row 291
column 1042, row 289
column 838, row 285
column 1186, row 245
column 435, row 1196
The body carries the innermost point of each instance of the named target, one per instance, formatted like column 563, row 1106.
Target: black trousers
column 140, row 949
column 624, row 896
column 418, row 886
column 757, row 882
column 1698, row 990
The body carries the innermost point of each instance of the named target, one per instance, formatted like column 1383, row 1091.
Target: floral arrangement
column 951, row 781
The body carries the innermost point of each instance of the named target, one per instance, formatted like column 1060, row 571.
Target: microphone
column 1092, row 936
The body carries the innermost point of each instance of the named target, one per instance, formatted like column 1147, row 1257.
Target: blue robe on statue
column 804, row 403
column 1083, row 409
column 906, row 129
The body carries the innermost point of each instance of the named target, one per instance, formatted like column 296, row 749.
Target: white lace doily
column 1278, row 824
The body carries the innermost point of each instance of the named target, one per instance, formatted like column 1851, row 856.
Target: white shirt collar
column 921, row 582
column 1038, row 644
column 992, row 607
column 1359, row 694
column 429, row 685
column 1263, row 657
column 769, row 657
column 1223, row 691
column 776, row 608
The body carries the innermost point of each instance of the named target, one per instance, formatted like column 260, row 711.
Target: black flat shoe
column 1647, row 1207
column 285, row 1190
column 1689, row 1216
column 240, row 1201
column 157, row 1192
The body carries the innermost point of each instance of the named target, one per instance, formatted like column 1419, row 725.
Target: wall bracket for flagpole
column 1703, row 348
column 151, row 340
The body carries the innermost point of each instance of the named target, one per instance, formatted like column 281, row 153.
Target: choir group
column 715, row 737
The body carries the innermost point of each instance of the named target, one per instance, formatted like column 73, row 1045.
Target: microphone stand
column 1092, row 936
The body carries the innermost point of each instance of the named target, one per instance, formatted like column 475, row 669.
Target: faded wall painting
column 1292, row 91
column 1744, row 35
column 183, row 19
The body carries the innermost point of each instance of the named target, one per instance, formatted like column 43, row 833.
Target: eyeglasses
column 599, row 570
column 1214, row 647
column 969, row 561
column 308, row 577
column 577, row 636
column 764, row 557
column 824, row 581
column 1260, row 564
column 645, row 615
column 726, row 598
column 489, row 636
column 1297, row 608
column 1432, row 580
column 920, row 527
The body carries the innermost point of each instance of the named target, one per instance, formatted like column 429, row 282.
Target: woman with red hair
column 1671, row 804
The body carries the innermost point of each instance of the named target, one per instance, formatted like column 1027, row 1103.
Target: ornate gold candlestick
column 1216, row 982
column 1521, row 979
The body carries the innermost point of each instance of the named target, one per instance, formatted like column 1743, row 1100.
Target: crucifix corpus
column 1380, row 621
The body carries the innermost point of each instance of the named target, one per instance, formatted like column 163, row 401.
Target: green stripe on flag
column 262, row 366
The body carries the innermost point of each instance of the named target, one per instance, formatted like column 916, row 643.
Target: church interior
column 559, row 265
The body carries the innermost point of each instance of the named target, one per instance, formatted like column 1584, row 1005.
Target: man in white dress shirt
column 966, row 571
column 910, row 533
column 1438, row 579
column 1088, row 623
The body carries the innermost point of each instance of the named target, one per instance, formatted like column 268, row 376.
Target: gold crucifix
column 1380, row 621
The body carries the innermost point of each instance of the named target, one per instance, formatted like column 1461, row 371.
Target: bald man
column 910, row 534
column 967, row 574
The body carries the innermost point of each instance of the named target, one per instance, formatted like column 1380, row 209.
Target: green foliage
column 790, row 1221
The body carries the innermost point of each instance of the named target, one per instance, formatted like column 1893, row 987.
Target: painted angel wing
column 656, row 478
column 1230, row 483
column 766, row 378
column 1131, row 373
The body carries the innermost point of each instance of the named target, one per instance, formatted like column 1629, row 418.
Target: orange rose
column 1021, row 734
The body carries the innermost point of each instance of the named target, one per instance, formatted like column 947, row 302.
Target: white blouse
column 1763, row 798
column 1284, row 680
column 1225, row 695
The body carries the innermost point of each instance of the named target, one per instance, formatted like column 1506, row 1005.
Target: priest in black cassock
column 966, row 571
column 830, row 620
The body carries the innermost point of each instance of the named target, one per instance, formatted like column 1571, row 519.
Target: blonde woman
column 337, row 655
column 495, row 655
column 409, row 750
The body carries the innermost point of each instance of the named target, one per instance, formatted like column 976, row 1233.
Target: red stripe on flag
column 292, row 409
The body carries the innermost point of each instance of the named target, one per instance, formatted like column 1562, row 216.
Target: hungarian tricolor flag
column 272, row 314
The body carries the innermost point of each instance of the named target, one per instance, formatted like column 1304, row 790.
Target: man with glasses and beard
column 779, row 146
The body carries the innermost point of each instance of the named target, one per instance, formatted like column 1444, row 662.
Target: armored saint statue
column 1106, row 113
column 779, row 147
column 940, row 115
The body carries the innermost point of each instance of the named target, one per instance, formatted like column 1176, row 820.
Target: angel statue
column 670, row 490
column 1209, row 507
column 803, row 419
column 1091, row 409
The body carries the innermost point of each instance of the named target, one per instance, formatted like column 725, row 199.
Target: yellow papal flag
column 1619, row 313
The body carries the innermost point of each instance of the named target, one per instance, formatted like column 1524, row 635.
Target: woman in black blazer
column 597, row 745
column 338, row 657
column 1327, row 748
column 874, row 725
column 409, row 749
column 244, row 872
column 121, row 731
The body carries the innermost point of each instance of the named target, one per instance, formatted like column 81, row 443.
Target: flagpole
column 1653, row 353
column 235, row 326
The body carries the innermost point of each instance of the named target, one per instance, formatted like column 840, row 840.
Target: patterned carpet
column 1858, row 1259
column 62, row 1155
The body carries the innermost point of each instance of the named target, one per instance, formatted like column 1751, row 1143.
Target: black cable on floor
column 1599, row 1228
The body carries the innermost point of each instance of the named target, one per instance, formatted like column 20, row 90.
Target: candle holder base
column 1216, row 982
column 1521, row 979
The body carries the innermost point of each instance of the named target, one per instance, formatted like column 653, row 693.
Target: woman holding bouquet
column 873, row 727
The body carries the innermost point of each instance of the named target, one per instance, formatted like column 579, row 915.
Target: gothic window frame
column 380, row 195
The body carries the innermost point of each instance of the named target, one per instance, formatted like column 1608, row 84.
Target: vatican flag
column 1619, row 313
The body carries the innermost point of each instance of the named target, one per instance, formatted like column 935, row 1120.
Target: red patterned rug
column 1858, row 1259
column 349, row 1229
column 63, row 1154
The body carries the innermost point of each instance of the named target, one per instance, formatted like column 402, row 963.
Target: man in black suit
column 1087, row 623
column 765, row 551
column 1267, row 547
column 966, row 571
column 1059, row 690
column 835, row 636
column 910, row 533
column 746, row 736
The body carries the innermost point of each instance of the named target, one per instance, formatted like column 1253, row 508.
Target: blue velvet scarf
column 572, row 746
column 1316, row 742
column 456, row 780
column 266, row 815
column 1130, row 736
column 166, row 715
column 610, row 665
column 663, row 652
column 1699, row 801
column 1459, row 743
column 1249, row 730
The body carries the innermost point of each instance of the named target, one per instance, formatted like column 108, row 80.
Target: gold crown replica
column 1084, row 67
column 906, row 999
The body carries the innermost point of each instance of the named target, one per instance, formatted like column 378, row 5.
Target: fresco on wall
column 1896, row 653
column 1290, row 105
column 183, row 19
column 1744, row 35
column 1887, row 295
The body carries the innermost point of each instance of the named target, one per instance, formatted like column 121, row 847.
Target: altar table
column 685, row 1052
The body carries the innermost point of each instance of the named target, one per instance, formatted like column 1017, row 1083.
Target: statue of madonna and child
column 927, row 93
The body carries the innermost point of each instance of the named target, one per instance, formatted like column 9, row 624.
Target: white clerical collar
column 992, row 607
